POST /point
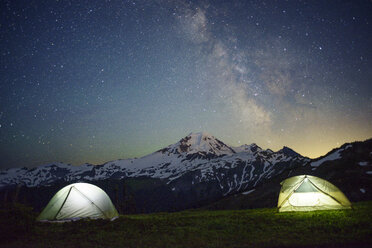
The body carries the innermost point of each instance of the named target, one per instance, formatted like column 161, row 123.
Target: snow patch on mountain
column 333, row 156
column 248, row 192
column 363, row 163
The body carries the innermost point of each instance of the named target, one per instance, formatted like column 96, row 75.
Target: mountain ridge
column 194, row 171
column 198, row 148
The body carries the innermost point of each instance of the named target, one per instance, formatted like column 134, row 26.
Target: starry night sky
column 93, row 81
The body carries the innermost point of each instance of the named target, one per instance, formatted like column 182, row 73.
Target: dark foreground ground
column 197, row 228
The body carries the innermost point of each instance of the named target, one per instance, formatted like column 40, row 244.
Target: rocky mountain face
column 196, row 171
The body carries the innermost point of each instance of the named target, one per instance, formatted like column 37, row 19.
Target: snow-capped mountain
column 198, row 153
column 196, row 170
column 202, row 144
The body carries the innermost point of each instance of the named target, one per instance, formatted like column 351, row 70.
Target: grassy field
column 196, row 228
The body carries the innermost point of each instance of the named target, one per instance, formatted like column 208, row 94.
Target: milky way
column 93, row 81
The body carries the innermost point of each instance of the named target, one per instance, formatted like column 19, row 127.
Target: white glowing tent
column 79, row 200
column 308, row 193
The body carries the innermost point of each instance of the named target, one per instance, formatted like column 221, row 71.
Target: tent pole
column 63, row 202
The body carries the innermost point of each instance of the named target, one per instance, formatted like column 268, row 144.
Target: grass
column 196, row 228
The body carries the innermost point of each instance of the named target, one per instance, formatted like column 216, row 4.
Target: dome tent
column 308, row 193
column 79, row 200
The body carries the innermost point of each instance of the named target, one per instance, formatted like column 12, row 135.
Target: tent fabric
column 79, row 200
column 308, row 193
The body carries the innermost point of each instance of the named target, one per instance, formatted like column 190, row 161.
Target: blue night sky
column 93, row 81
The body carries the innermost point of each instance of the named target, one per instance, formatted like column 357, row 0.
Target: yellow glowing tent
column 79, row 200
column 308, row 193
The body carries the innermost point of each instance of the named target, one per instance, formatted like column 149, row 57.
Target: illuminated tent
column 308, row 193
column 79, row 200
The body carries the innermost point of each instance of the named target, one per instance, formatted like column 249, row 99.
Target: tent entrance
column 306, row 186
column 307, row 194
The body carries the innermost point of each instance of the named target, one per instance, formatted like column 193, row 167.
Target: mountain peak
column 289, row 152
column 200, row 142
column 247, row 148
column 198, row 139
column 200, row 134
